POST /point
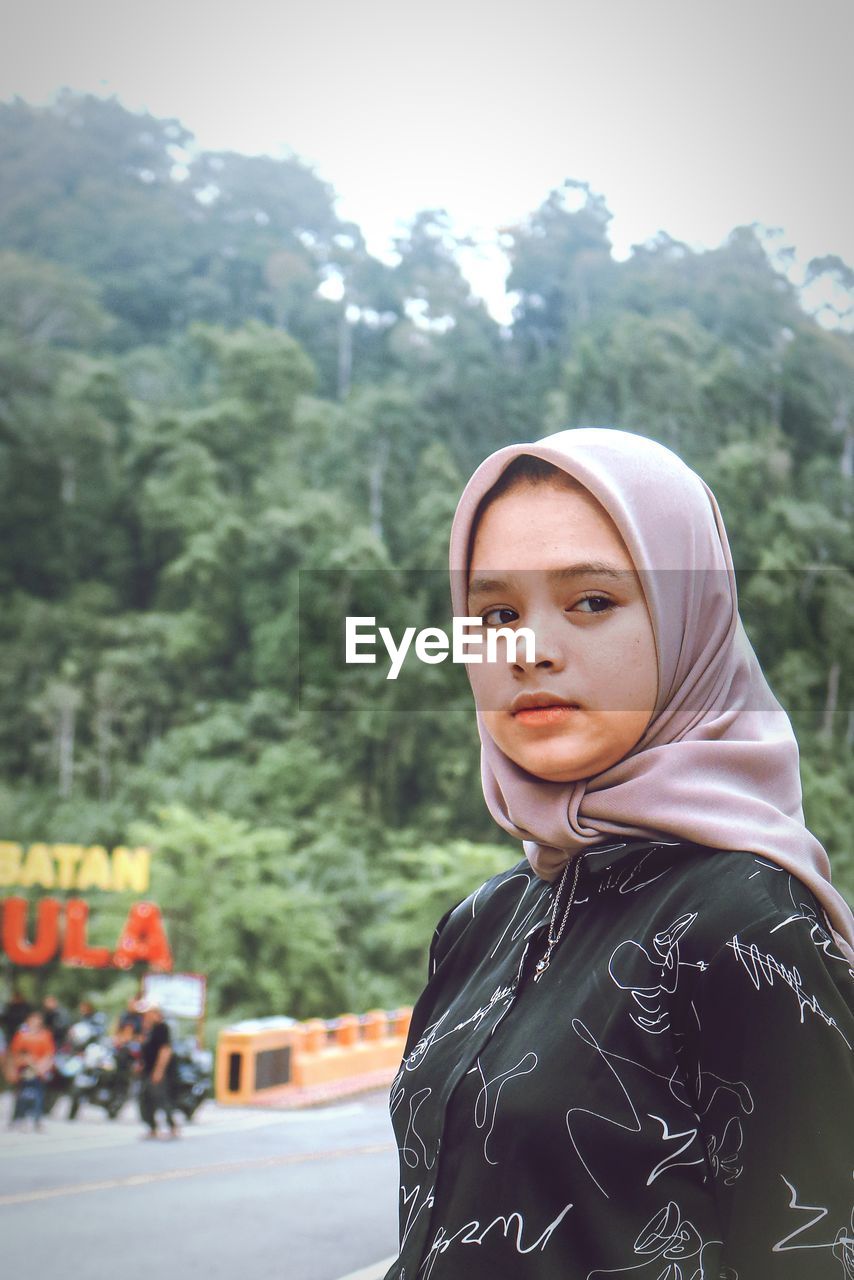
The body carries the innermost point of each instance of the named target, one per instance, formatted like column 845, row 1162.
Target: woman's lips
column 534, row 716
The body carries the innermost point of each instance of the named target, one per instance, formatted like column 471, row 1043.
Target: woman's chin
column 553, row 770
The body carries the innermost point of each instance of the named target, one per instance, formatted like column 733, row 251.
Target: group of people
column 31, row 1036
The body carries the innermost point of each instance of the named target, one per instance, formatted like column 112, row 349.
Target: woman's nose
column 549, row 647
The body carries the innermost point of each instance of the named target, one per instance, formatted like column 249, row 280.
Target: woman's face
column 551, row 559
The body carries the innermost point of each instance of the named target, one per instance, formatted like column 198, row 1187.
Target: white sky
column 690, row 116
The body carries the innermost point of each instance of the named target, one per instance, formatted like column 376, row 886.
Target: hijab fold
column 718, row 763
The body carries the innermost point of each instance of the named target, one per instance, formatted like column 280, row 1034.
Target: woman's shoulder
column 737, row 886
column 735, row 900
column 499, row 896
column 501, row 887
column 756, row 957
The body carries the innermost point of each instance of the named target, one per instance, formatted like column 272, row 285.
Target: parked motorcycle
column 105, row 1075
column 190, row 1077
column 69, row 1058
column 104, row 1079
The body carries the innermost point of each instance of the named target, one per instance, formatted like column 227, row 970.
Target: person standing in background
column 156, row 1056
column 130, row 1023
column 32, row 1055
column 55, row 1019
column 15, row 1013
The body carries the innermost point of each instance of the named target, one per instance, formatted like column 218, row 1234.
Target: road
column 241, row 1195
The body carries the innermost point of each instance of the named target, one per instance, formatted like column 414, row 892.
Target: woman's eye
column 501, row 621
column 598, row 604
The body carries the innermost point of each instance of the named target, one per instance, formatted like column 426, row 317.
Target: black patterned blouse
column 672, row 1100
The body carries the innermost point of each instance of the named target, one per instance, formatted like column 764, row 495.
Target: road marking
column 170, row 1175
column 376, row 1272
column 95, row 1135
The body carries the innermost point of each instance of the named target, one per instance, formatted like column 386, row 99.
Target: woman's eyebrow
column 582, row 569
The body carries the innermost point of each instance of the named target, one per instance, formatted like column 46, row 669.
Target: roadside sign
column 180, row 995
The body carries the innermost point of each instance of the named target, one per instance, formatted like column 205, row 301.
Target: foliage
column 224, row 424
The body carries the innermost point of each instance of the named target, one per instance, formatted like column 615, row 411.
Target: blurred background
column 272, row 282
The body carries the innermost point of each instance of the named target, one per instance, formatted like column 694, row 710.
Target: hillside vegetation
column 216, row 405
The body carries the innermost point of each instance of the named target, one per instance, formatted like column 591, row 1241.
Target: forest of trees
column 215, row 404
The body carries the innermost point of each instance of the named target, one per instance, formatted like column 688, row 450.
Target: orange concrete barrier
column 258, row 1057
column 374, row 1025
column 315, row 1035
column 347, row 1030
column 399, row 1020
column 252, row 1060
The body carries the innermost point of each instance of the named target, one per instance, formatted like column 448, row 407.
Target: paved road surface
column 242, row 1195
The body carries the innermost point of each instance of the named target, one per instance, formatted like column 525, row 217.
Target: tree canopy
column 222, row 420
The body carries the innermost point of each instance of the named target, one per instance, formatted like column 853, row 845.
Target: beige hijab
column 718, row 763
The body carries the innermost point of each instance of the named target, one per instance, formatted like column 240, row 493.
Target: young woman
column 635, row 1052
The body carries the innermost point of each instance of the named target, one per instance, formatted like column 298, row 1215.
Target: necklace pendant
column 542, row 965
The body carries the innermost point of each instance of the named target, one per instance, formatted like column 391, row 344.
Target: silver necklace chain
column 554, row 938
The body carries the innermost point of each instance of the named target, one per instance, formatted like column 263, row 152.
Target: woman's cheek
column 488, row 681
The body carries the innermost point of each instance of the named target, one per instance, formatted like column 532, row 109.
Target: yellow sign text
column 74, row 867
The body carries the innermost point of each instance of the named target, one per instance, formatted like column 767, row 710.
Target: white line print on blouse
column 431, row 1034
column 662, row 977
column 761, row 965
column 667, row 1237
column 705, row 1099
column 820, row 936
column 763, row 865
column 624, row 882
column 727, row 1162
column 409, row 1154
column 707, row 1089
column 843, row 1240
column 586, row 1035
column 524, row 921
column 671, row 1161
column 410, row 1199
column 472, row 1233
column 843, row 1246
column 482, row 1105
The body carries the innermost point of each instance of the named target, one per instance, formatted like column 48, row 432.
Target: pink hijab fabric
column 718, row 763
